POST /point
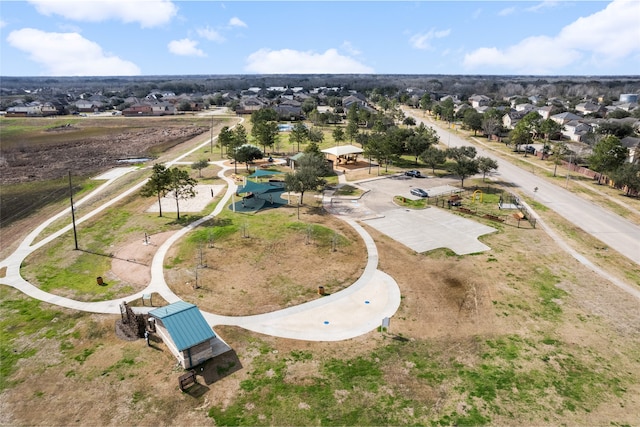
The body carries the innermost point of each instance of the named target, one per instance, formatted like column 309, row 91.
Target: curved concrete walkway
column 346, row 314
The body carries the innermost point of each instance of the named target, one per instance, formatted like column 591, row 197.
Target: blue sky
column 162, row 37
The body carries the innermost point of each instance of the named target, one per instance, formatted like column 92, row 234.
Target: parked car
column 419, row 192
column 413, row 173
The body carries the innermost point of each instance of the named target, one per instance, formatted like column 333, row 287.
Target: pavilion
column 343, row 154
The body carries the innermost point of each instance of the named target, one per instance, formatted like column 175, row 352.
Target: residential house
column 162, row 108
column 33, row 109
column 479, row 101
column 356, row 99
column 535, row 99
column 575, row 130
column 589, row 108
column 525, row 108
column 138, row 110
column 545, row 112
column 564, row 118
column 187, row 334
column 633, row 145
column 511, row 119
column 249, row 105
column 86, row 106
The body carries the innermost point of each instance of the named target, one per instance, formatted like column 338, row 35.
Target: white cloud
column 349, row 48
column 609, row 35
column 210, row 34
column 289, row 61
column 423, row 41
column 149, row 13
column 69, row 54
column 236, row 22
column 2, row 23
column 185, row 47
column 507, row 11
column 547, row 4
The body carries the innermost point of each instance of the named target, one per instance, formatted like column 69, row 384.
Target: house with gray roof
column 564, row 118
column 187, row 334
column 633, row 145
column 575, row 130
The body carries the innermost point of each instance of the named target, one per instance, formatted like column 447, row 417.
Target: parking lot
column 422, row 229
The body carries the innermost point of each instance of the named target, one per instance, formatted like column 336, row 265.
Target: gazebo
column 344, row 153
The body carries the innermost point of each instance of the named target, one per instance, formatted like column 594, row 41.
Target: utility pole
column 73, row 214
column 211, row 141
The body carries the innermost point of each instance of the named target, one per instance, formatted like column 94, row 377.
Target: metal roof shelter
column 185, row 324
column 343, row 150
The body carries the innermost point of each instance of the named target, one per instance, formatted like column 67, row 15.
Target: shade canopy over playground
column 343, row 150
column 258, row 173
column 255, row 187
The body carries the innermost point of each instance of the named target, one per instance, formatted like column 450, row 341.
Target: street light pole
column 566, row 185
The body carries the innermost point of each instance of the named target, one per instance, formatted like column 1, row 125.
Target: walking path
column 349, row 313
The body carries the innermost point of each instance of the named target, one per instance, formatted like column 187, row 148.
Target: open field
column 37, row 154
column 521, row 334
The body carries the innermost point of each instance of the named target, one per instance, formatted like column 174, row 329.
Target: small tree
column 299, row 134
column 316, row 135
column 238, row 140
column 560, row 151
column 225, row 138
column 308, row 176
column 473, row 120
column 247, row 154
column 464, row 168
column 520, row 135
column 338, row 135
column 628, row 177
column 608, row 155
column 486, row 165
column 416, row 145
column 157, row 185
column 199, row 165
column 409, row 121
column 181, row 186
column 464, row 165
column 433, row 157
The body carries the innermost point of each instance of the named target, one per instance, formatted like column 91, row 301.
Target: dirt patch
column 132, row 261
column 40, row 162
column 258, row 274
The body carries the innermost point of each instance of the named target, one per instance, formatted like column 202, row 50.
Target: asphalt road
column 613, row 230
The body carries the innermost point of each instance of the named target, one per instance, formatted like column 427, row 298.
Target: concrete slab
column 432, row 228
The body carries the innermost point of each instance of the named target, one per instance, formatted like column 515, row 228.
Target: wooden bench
column 187, row 380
